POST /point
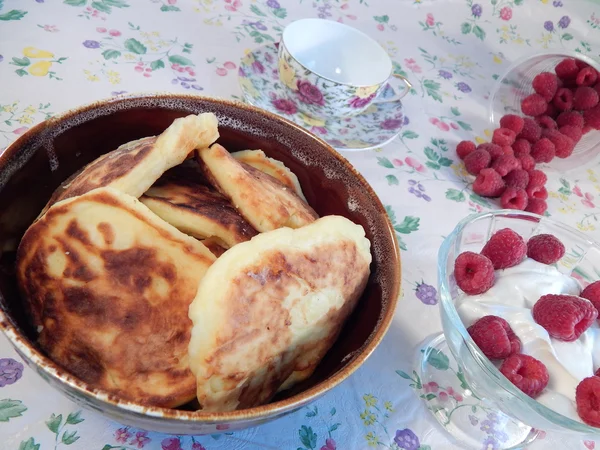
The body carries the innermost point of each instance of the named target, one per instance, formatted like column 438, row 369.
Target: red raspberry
column 551, row 110
column 586, row 129
column 587, row 397
column 545, row 248
column 488, row 183
column 531, row 130
column 512, row 122
column 517, row 178
column 545, row 84
column 563, row 145
column 514, row 198
column 495, row 152
column 564, row 317
column 546, row 122
column 538, row 192
column 503, row 136
column 567, row 69
column 477, row 160
column 474, row 273
column 505, row 249
column 585, row 98
column 581, row 64
column 505, row 164
column 521, row 147
column 494, row 337
column 537, row 178
column 592, row 293
column 586, row 77
column 572, row 118
column 527, row 162
column 563, row 100
column 574, row 133
column 592, row 117
column 597, row 373
column 533, row 105
column 536, row 206
column 526, row 373
column 464, row 148
column 543, row 150
column 597, row 88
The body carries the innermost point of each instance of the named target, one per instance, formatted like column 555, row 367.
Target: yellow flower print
column 129, row 56
column 388, row 406
column 25, row 118
column 311, row 120
column 592, row 175
column 114, row 77
column 145, row 34
column 155, row 33
column 90, row 76
column 248, row 87
column 30, row 110
column 287, row 75
column 153, row 48
column 497, row 59
column 367, row 417
column 40, row 68
column 545, row 2
column 370, row 109
column 32, row 52
column 357, row 143
column 371, row 439
column 9, row 108
column 370, row 400
column 364, row 92
column 459, row 170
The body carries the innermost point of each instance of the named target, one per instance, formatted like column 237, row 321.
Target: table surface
column 59, row 54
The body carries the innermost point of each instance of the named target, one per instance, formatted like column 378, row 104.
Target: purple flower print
column 309, row 93
column 329, row 445
column 476, row 10
column 418, row 190
column 1, row 58
column 187, row 83
column 406, row 120
column 258, row 67
column 91, row 44
column 258, row 25
column 115, row 93
column 140, row 439
column 445, row 74
column 564, row 22
column 557, row 3
column 391, row 124
column 172, row 443
column 10, row 371
column 284, row 105
column 122, row 435
column 474, row 421
column 463, row 87
column 426, row 293
column 548, row 25
column 269, row 57
column 273, row 4
column 407, row 440
column 357, row 102
column 490, row 443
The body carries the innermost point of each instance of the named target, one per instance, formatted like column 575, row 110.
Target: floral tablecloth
column 57, row 54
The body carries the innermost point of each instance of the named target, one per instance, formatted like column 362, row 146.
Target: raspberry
column 597, row 373
column 563, row 100
column 545, row 84
column 495, row 152
column 536, row 206
column 514, row 198
column 531, row 131
column 581, row 64
column 543, row 150
column 546, row 122
column 526, row 373
column 597, row 88
column 521, row 147
column 508, row 151
column 538, row 192
column 586, row 129
column 477, row 160
column 488, row 183
column 567, row 69
column 505, row 164
column 572, row 118
column 585, row 98
column 533, row 105
column 464, row 148
column 573, row 132
column 527, row 162
column 587, row 397
column 494, row 337
column 563, row 145
column 537, row 178
column 503, row 136
column 545, row 248
column 474, row 273
column 505, row 249
column 512, row 122
column 517, row 178
column 564, row 317
column 586, row 77
column 551, row 110
column 592, row 293
column 592, row 117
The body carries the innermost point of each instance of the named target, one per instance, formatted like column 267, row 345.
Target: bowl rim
column 50, row 369
column 447, row 304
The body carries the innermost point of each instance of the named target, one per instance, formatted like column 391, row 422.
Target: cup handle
column 397, row 96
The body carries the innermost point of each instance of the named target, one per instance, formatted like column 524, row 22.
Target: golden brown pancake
column 109, row 285
column 184, row 198
column 264, row 202
column 135, row 166
column 272, row 307
column 270, row 166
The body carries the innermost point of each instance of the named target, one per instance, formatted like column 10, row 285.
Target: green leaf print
column 445, row 162
column 74, row 418
column 479, row 200
column 424, row 447
column 281, row 13
column 403, row 375
column 567, row 37
column 455, row 194
column 158, row 64
column 181, row 60
column 23, row 62
column 478, row 31
column 307, row 437
column 116, row 3
column 256, row 10
column 465, row 28
column 101, row 6
column 464, row 126
column 29, row 444
column 437, row 359
column 54, row 422
column 333, row 411
column 135, row 46
column 21, row 72
column 408, row 134
column 431, row 154
column 11, row 408
column 391, row 214
column 455, row 111
column 408, row 225
column 432, row 89
column 312, row 412
column 429, row 397
column 382, row 19
column 334, row 427
column 432, row 165
column 69, row 437
column 111, row 54
column 75, row 2
column 463, row 382
column 392, row 180
column 166, row 8
column 398, row 69
column 384, row 162
column 13, row 14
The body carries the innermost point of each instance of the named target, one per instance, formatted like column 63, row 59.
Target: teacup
column 332, row 70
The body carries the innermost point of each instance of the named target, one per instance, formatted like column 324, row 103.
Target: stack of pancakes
column 170, row 269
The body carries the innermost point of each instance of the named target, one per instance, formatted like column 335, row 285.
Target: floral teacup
column 332, row 70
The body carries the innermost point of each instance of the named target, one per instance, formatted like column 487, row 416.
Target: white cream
column 513, row 295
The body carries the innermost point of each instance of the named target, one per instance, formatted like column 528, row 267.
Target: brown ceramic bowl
column 33, row 166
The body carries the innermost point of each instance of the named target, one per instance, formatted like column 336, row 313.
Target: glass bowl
column 515, row 84
column 498, row 409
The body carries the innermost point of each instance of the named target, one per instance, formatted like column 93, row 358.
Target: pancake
column 185, row 199
column 263, row 201
column 271, row 308
column 109, row 285
column 135, row 166
column 270, row 166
